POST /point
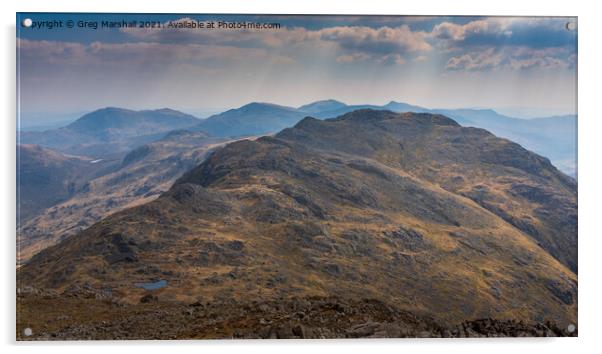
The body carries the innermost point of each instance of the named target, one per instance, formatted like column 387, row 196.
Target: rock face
column 519, row 186
column 412, row 211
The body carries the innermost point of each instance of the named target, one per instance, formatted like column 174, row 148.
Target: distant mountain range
column 344, row 108
column 330, row 219
column 110, row 130
column 552, row 137
column 55, row 177
column 322, row 106
column 251, row 119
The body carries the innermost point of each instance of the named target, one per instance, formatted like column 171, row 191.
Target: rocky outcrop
column 301, row 318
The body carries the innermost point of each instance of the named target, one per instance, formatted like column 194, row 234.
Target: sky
column 521, row 66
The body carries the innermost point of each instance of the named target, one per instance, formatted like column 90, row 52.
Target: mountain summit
column 129, row 123
column 320, row 106
column 109, row 130
column 251, row 119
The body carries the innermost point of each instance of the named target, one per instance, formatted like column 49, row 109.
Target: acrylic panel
column 214, row 176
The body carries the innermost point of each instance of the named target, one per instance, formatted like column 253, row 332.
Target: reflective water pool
column 153, row 286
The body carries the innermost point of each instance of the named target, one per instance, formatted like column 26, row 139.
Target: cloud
column 350, row 58
column 133, row 54
column 383, row 40
column 390, row 44
column 384, row 45
column 459, row 32
column 504, row 31
column 240, row 37
column 478, row 44
column 388, row 59
column 488, row 59
column 51, row 51
column 353, row 43
column 515, row 58
column 506, row 43
column 392, row 59
column 552, row 58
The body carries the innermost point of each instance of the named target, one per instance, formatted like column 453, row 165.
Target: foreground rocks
column 84, row 317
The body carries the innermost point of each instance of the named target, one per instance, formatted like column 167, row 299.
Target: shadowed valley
column 139, row 177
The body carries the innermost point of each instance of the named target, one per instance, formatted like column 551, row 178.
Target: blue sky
column 511, row 64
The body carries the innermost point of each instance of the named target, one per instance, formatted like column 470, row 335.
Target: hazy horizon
column 37, row 120
column 522, row 65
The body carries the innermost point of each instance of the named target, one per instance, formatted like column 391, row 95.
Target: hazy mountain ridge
column 251, row 119
column 110, row 130
column 409, row 209
column 140, row 177
column 552, row 137
column 322, row 106
column 46, row 177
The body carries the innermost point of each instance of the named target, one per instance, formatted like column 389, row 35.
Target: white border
column 590, row 198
